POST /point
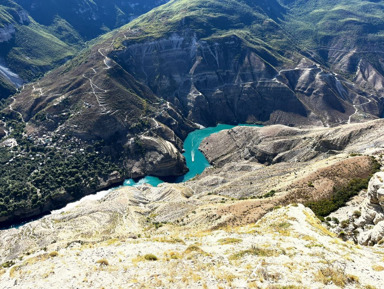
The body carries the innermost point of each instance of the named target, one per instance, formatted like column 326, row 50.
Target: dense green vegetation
column 324, row 26
column 324, row 207
column 8, row 10
column 6, row 87
column 35, row 174
column 205, row 18
column 278, row 26
column 316, row 22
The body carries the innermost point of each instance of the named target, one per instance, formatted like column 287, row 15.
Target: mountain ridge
column 38, row 36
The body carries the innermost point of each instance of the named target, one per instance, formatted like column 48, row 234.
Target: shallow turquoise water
column 196, row 161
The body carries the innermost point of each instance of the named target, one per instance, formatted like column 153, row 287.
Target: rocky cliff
column 221, row 80
column 362, row 219
column 277, row 143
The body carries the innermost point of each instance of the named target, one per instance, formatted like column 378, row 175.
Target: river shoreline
column 196, row 163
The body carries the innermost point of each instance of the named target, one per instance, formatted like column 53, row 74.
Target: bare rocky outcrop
column 371, row 222
column 109, row 243
column 277, row 143
column 362, row 219
column 157, row 157
column 210, row 83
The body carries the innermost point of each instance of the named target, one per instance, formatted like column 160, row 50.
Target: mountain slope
column 347, row 36
column 29, row 49
column 89, row 18
column 133, row 95
column 37, row 36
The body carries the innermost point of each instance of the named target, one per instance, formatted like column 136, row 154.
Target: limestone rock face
column 278, row 143
column 362, row 219
column 210, row 83
column 3, row 131
column 372, row 212
column 158, row 158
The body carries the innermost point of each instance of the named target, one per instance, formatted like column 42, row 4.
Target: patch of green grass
column 269, row 194
column 36, row 47
column 341, row 196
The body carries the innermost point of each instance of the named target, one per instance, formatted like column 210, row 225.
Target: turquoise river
column 196, row 161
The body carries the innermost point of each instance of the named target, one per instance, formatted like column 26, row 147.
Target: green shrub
column 269, row 194
column 344, row 223
column 335, row 220
column 357, row 214
column 324, row 207
column 150, row 257
column 8, row 264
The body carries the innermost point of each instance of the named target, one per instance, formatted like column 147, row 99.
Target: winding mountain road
column 356, row 109
column 12, row 109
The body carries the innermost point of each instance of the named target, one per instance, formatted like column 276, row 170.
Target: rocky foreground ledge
column 89, row 247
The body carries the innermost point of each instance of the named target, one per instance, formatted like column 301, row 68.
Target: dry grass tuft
column 103, row 262
column 171, row 240
column 36, row 259
column 255, row 251
column 194, row 249
column 378, row 268
column 337, row 276
column 227, row 241
column 316, row 223
column 53, row 254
